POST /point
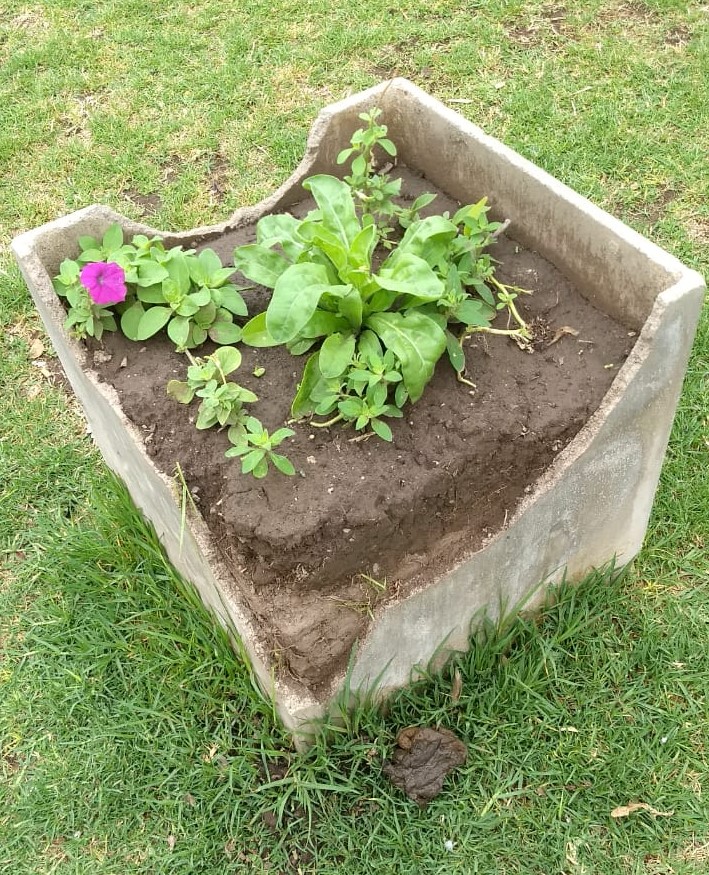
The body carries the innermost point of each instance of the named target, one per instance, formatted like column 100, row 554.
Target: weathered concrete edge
column 582, row 492
column 296, row 704
column 155, row 494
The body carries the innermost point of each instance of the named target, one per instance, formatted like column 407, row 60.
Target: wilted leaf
column 456, row 686
column 626, row 810
column 36, row 348
column 565, row 329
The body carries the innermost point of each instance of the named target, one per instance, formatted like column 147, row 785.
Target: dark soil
column 460, row 462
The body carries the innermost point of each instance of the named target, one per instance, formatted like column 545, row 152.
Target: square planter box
column 590, row 506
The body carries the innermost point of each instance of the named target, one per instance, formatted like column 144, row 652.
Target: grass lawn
column 132, row 739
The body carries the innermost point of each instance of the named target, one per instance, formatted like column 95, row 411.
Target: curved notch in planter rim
column 662, row 301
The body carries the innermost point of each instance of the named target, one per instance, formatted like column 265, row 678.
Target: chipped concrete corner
column 592, row 505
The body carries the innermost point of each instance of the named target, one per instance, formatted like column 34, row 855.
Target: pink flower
column 105, row 282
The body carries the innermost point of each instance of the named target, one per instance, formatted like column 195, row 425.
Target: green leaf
column 254, row 425
column 359, row 166
column 351, row 307
column 251, row 460
column 302, row 404
column 232, row 301
column 417, row 341
column 401, row 396
column 350, row 408
column 196, row 336
column 388, row 147
column 179, row 272
column 380, row 301
column 225, row 332
column 322, row 323
column 150, row 273
column 200, row 298
column 455, row 352
column 86, row 242
column 151, row 294
column 255, row 333
column 90, row 255
column 180, row 391
column 280, row 435
column 210, row 262
column 262, row 265
column 411, row 275
column 363, row 246
column 328, row 243
column 281, row 230
column 368, row 344
column 284, row 465
column 187, row 307
column 178, row 331
column 336, row 354
column 475, row 313
column 130, row 320
column 428, row 238
column 237, row 436
column 382, row 429
column 484, row 291
column 300, row 345
column 206, row 417
column 112, row 239
column 152, row 321
column 377, row 395
column 336, row 205
column 227, row 358
column 261, row 469
column 205, row 316
column 295, row 299
column 69, row 272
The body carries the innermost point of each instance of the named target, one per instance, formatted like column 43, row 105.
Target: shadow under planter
column 590, row 505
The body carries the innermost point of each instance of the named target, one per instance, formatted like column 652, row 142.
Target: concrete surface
column 592, row 505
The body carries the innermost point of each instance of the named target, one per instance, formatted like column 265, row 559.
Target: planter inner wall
column 591, row 505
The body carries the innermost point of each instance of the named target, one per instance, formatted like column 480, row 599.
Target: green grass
column 132, row 738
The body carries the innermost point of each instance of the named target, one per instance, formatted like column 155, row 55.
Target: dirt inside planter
column 365, row 521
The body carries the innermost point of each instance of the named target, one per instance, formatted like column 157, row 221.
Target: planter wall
column 590, row 506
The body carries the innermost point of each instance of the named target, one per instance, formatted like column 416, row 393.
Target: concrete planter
column 590, row 506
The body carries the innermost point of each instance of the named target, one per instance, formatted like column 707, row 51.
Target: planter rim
column 30, row 250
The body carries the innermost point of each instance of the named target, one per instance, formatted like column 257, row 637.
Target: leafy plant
column 329, row 289
column 375, row 190
column 86, row 317
column 223, row 403
column 256, row 449
column 222, row 400
column 188, row 293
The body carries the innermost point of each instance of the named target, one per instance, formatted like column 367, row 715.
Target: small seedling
column 222, row 400
column 256, row 449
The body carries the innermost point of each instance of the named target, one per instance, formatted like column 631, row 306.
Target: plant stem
column 461, row 379
column 326, row 424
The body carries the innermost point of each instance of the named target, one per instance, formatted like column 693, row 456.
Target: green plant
column 187, row 292
column 223, row 403
column 256, row 448
column 222, row 400
column 374, row 189
column 372, row 186
column 329, row 289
